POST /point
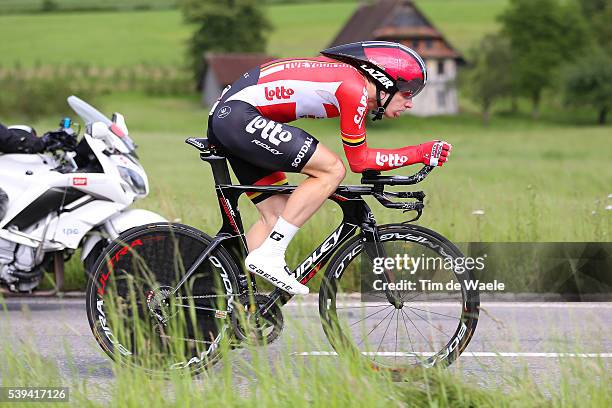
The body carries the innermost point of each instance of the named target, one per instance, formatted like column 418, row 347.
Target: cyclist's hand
column 435, row 153
column 59, row 140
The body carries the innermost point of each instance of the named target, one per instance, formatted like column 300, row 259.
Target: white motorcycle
column 65, row 200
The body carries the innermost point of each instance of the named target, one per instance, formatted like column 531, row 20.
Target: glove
column 434, row 153
column 59, row 140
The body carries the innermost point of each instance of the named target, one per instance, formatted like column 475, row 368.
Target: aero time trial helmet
column 392, row 67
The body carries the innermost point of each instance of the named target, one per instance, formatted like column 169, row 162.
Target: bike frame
column 356, row 214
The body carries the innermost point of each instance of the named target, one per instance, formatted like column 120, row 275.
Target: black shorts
column 259, row 150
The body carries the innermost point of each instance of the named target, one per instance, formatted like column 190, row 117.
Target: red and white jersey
column 320, row 87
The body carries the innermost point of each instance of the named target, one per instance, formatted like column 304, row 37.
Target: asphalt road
column 509, row 336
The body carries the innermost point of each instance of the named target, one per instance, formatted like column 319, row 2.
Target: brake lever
column 415, row 206
column 419, row 213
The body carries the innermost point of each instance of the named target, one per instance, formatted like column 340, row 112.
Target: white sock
column 278, row 240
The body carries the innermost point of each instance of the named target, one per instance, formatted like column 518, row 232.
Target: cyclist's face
column 399, row 103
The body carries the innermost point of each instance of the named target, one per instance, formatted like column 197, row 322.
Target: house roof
column 400, row 21
column 228, row 67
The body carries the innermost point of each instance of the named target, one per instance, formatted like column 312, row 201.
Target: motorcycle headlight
column 133, row 179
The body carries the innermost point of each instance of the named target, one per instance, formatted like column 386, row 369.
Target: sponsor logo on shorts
column 270, row 130
column 267, row 147
column 224, row 111
column 362, row 108
column 303, row 150
column 280, row 92
column 393, row 159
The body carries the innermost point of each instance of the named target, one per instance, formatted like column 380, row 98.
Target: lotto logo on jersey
column 270, row 130
column 393, row 159
column 362, row 108
column 280, row 92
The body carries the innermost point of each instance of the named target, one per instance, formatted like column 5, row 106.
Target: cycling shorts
column 259, row 150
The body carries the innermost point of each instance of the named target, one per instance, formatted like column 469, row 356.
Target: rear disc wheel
column 143, row 315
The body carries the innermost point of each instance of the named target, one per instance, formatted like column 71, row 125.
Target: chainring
column 251, row 328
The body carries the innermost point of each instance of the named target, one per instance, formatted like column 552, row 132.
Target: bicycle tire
column 341, row 336
column 139, row 269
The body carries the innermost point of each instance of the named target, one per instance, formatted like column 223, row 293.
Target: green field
column 127, row 38
column 535, row 181
column 546, row 180
column 36, row 6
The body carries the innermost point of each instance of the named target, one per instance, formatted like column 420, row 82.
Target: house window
column 440, row 67
column 415, row 43
column 428, row 43
column 441, row 99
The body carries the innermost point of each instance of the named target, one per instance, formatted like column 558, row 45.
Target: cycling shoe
column 275, row 271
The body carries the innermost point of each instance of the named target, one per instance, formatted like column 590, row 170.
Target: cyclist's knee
column 326, row 165
column 336, row 171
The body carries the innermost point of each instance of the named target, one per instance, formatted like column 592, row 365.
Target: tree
column 49, row 5
column 543, row 35
column 224, row 25
column 588, row 81
column 490, row 76
column 599, row 14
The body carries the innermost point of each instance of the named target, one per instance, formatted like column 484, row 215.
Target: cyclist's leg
column 269, row 206
column 269, row 211
column 325, row 172
column 263, row 144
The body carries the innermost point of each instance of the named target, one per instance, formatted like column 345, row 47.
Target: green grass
column 112, row 39
column 249, row 377
column 464, row 22
column 128, row 38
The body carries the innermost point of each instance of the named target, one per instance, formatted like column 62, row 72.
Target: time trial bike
column 165, row 296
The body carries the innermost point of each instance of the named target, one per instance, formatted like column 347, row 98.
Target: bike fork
column 374, row 249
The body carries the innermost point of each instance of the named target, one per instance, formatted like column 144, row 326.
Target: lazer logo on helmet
column 270, row 130
column 278, row 93
column 393, row 159
column 378, row 75
column 362, row 108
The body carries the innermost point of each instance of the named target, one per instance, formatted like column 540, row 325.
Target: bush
column 588, row 81
column 42, row 90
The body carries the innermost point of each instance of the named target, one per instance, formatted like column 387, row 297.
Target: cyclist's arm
column 352, row 97
column 353, row 110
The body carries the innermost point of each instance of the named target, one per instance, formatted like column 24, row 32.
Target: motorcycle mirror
column 119, row 121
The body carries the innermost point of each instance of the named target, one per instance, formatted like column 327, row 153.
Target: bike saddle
column 204, row 146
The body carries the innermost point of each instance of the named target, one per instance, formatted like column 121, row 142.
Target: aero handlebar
column 374, row 177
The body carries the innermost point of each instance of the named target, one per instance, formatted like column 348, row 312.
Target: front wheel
column 393, row 323
column 144, row 313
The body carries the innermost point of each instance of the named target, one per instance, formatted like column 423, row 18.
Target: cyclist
column 249, row 121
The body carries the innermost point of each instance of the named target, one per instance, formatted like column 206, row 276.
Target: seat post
column 219, row 168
